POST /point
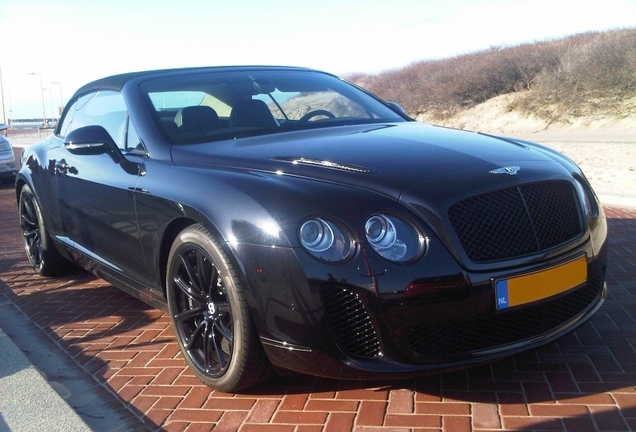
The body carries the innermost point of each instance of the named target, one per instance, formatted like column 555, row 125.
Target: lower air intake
column 350, row 322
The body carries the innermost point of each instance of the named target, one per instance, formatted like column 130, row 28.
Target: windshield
column 222, row 105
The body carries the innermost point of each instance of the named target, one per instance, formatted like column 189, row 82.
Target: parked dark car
column 288, row 220
column 7, row 158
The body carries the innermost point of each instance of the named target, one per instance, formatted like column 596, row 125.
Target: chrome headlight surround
column 326, row 240
column 394, row 238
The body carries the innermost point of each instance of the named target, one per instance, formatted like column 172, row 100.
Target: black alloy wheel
column 210, row 315
column 41, row 252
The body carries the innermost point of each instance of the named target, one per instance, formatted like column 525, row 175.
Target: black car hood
column 385, row 158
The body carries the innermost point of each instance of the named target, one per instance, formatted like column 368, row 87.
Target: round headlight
column 380, row 231
column 393, row 238
column 325, row 240
column 316, row 235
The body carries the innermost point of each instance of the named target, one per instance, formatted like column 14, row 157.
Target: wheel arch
column 169, row 235
column 19, row 184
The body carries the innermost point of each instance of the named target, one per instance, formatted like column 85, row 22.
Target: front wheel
column 210, row 315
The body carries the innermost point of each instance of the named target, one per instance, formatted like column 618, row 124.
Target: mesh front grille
column 516, row 221
column 450, row 339
column 350, row 322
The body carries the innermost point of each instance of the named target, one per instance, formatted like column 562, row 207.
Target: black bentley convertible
column 288, row 220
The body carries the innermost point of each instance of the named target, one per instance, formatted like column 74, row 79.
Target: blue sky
column 72, row 42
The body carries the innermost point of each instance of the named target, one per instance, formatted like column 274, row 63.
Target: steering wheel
column 315, row 113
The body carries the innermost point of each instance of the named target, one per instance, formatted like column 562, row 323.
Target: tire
column 44, row 258
column 210, row 315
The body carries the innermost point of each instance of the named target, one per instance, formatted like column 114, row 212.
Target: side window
column 103, row 108
column 133, row 143
column 67, row 122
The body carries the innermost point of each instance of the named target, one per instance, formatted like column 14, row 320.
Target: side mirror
column 3, row 127
column 92, row 140
column 396, row 107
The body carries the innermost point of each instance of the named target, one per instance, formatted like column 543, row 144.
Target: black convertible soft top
column 116, row 82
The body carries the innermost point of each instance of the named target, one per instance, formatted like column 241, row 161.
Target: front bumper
column 339, row 326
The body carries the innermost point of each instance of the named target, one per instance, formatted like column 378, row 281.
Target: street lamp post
column 51, row 100
column 4, row 113
column 59, row 84
column 44, row 122
column 10, row 111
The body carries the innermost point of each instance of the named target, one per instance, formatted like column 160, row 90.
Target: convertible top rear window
column 222, row 105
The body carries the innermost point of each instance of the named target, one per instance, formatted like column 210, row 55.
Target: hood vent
column 323, row 163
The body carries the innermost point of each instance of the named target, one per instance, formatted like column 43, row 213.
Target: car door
column 96, row 195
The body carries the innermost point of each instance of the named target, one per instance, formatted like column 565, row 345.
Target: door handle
column 61, row 167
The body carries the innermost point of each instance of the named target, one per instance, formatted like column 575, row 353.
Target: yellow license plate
column 528, row 288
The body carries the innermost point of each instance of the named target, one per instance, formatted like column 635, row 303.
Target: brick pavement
column 583, row 382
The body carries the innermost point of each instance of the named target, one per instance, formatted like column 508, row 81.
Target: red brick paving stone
column 195, row 415
column 154, row 417
column 231, row 421
column 195, row 398
column 485, row 416
column 608, row 418
column 516, row 410
column 330, row 405
column 413, row 421
column 400, row 402
column 300, row 417
column 309, row 428
column 449, row 408
column 167, row 376
column 293, row 402
column 533, row 423
column 388, row 429
column 165, row 402
column 144, row 403
column 229, row 403
column 456, row 424
column 558, row 410
column 267, row 428
column 198, row 427
column 371, row 413
column 363, row 394
column 339, row 421
column 579, row 424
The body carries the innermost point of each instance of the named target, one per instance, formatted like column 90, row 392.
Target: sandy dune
column 605, row 148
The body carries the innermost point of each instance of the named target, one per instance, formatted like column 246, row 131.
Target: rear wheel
column 41, row 252
column 210, row 315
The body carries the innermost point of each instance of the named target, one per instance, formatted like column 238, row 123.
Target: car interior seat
column 197, row 119
column 252, row 113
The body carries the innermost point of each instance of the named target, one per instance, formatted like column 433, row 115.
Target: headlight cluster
column 392, row 237
column 325, row 240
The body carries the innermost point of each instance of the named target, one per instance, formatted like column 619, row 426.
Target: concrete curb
column 613, row 200
column 42, row 389
column 27, row 400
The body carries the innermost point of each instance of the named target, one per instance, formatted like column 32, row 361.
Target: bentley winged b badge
column 511, row 170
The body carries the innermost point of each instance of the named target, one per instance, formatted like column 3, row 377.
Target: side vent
column 350, row 322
